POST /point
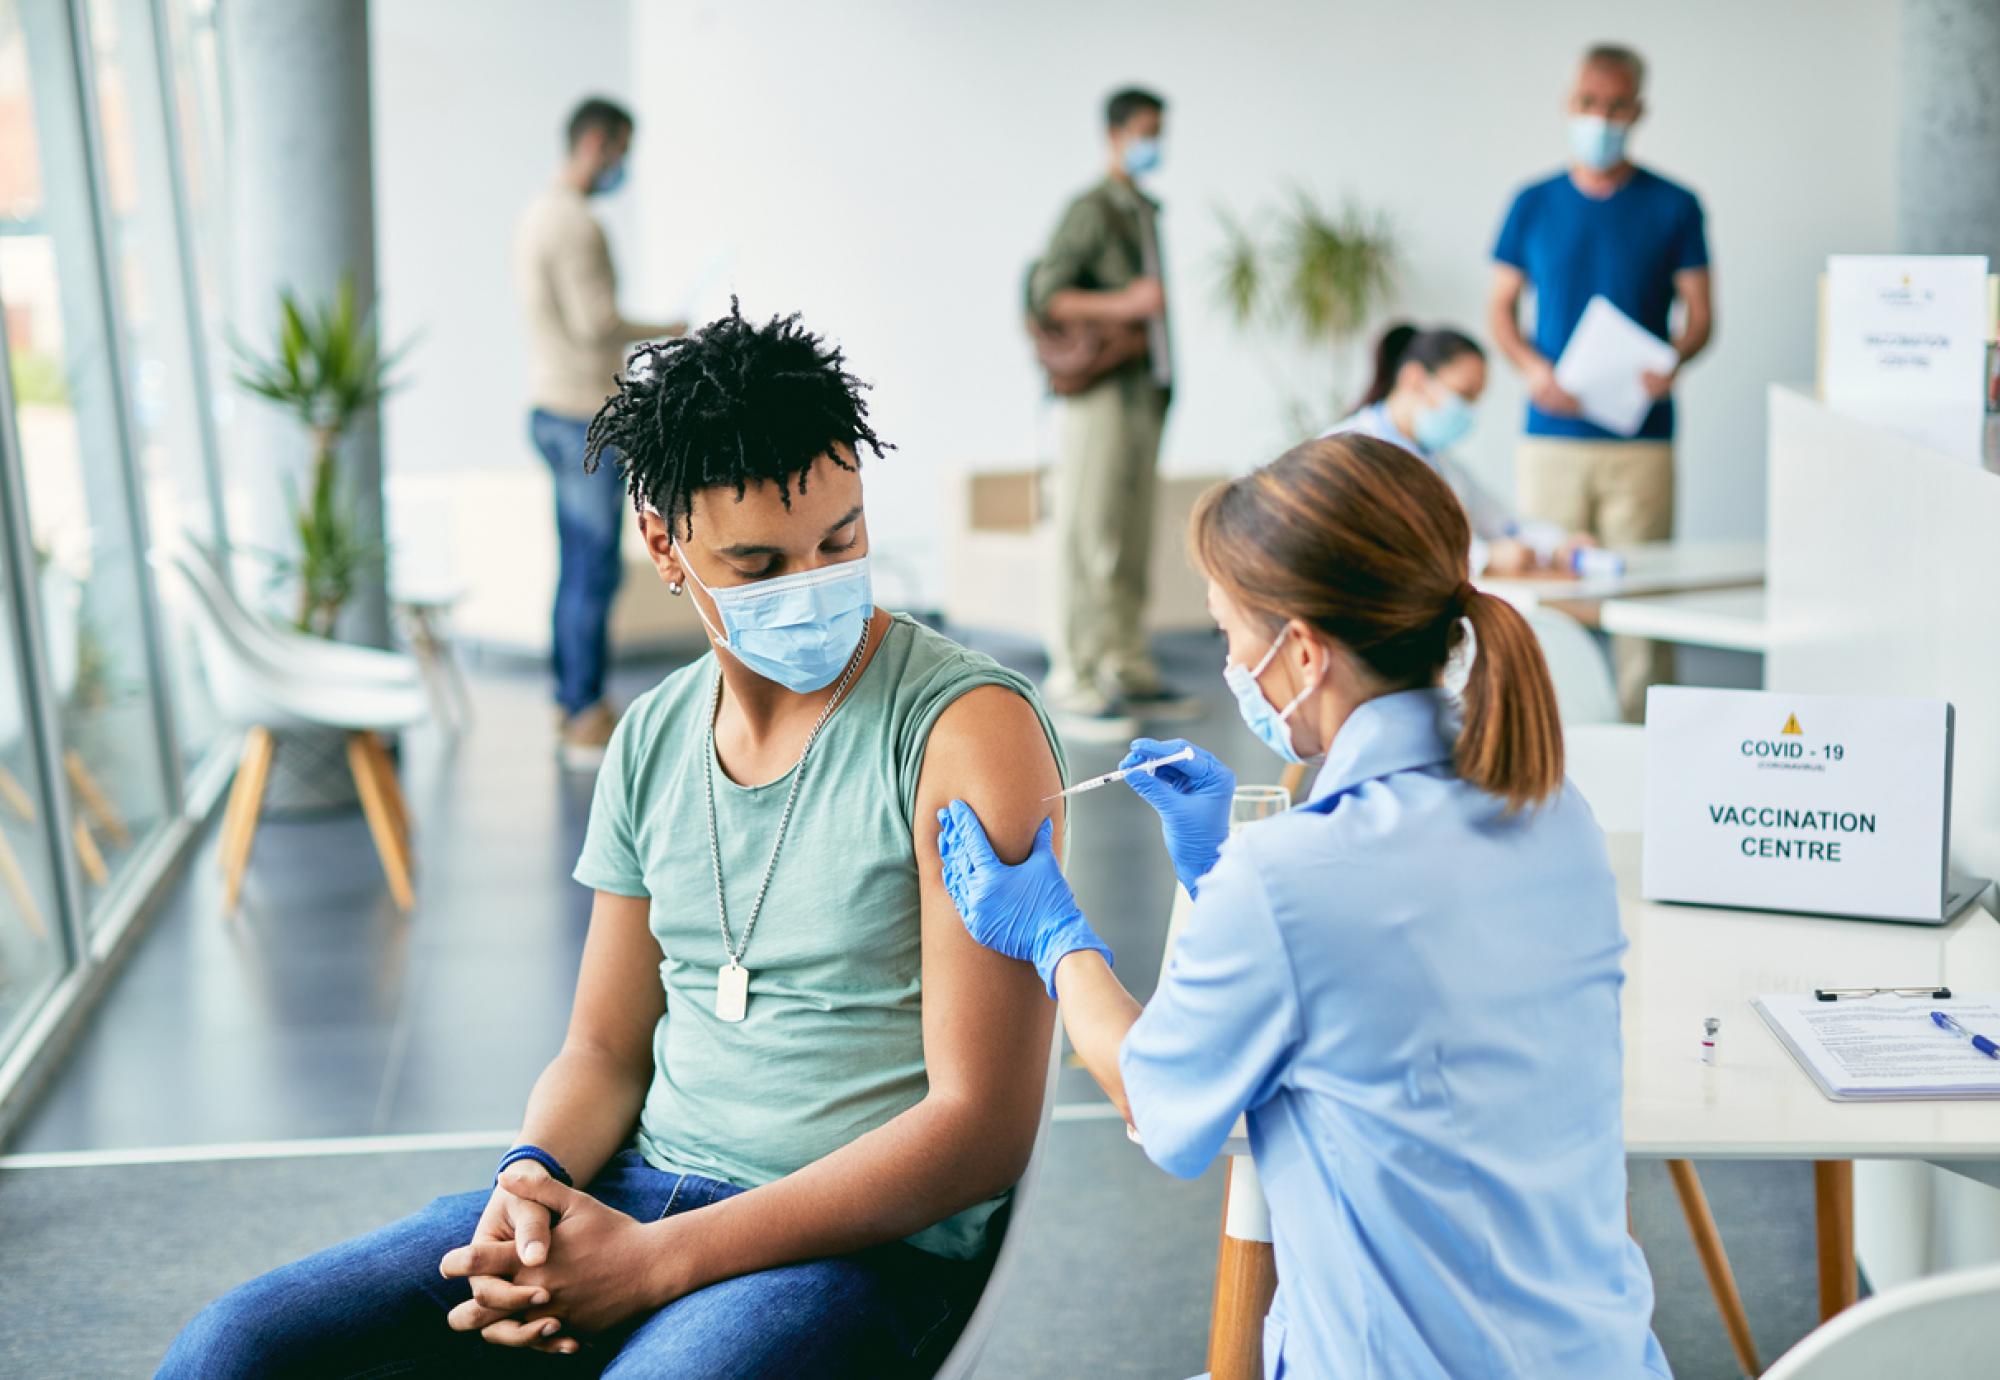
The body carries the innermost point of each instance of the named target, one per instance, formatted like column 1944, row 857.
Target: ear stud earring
column 674, row 587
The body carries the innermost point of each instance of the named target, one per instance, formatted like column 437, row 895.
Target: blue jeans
column 590, row 510
column 375, row 1306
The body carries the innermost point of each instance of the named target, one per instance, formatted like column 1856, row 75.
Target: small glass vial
column 1708, row 1028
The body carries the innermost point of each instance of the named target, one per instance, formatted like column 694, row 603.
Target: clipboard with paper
column 1603, row 366
column 1885, row 1047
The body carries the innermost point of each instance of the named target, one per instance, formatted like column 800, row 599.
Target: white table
column 1656, row 568
column 1755, row 1103
column 1733, row 619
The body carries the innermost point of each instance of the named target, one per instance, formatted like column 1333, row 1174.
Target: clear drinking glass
column 1252, row 803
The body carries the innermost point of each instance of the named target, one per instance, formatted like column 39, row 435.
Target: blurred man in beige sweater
column 569, row 290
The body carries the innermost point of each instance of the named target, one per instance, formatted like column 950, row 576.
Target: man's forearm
column 582, row 1110
column 938, row 1158
column 630, row 331
column 1083, row 306
column 1506, row 331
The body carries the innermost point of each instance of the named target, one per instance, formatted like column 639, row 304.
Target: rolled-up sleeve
column 1065, row 263
column 1219, row 1035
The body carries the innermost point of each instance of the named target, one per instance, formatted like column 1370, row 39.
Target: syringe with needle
column 1186, row 754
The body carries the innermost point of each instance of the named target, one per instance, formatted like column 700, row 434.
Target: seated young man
column 794, row 1091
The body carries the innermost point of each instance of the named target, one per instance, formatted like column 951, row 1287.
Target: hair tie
column 1461, row 598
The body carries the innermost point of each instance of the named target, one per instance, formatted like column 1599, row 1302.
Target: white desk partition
column 1884, row 574
column 1885, row 577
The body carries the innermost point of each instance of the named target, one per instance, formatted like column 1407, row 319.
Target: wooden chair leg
column 1715, row 1263
column 253, row 774
column 368, row 781
column 392, row 789
column 87, row 855
column 1246, row 1280
column 16, row 797
column 17, row 887
column 232, row 813
column 1833, row 1204
column 93, row 799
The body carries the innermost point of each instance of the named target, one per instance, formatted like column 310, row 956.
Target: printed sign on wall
column 1830, row 804
column 1906, row 345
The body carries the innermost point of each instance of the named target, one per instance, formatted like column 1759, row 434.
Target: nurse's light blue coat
column 1415, row 999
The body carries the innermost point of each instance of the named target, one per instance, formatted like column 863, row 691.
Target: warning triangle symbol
column 1791, row 725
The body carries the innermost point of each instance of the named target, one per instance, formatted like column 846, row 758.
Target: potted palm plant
column 1306, row 276
column 326, row 367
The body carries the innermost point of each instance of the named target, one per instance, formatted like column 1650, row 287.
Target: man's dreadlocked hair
column 730, row 404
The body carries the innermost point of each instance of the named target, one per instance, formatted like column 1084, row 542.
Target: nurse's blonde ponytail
column 1366, row 543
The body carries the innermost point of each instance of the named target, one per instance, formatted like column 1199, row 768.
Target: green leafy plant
column 38, row 379
column 326, row 367
column 1312, row 277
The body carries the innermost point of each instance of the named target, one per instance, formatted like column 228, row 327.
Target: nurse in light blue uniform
column 1408, row 983
column 1425, row 386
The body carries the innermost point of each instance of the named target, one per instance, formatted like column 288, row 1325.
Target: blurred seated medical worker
column 1425, row 385
column 1409, row 983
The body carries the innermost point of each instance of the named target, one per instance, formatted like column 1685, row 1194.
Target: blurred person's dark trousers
column 589, row 517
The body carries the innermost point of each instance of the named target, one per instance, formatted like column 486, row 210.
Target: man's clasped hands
column 550, row 1265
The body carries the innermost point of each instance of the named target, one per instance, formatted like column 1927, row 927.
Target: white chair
column 287, row 647
column 963, row 1361
column 1946, row 1327
column 1585, row 690
column 262, row 681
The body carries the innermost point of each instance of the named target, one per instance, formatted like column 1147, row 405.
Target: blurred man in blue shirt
column 1602, row 227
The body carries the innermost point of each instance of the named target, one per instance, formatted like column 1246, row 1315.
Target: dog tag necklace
column 732, row 979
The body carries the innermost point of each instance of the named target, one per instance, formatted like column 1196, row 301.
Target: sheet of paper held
column 1601, row 365
column 1887, row 1046
column 1186, row 754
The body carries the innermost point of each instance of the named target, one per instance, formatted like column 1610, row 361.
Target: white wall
column 470, row 100
column 888, row 166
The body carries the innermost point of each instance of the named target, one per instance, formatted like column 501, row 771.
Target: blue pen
column 1979, row 1042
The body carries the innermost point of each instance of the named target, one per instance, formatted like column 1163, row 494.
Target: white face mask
column 1271, row 725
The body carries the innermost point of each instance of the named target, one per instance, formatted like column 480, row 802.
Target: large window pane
column 31, row 944
column 67, row 420
column 165, row 370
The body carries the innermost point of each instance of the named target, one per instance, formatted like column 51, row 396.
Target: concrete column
column 1948, row 150
column 303, row 201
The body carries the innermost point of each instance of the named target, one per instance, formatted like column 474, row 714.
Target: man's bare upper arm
column 619, row 999
column 987, row 1019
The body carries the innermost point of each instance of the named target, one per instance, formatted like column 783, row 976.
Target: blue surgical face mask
column 797, row 630
column 609, row 180
column 1596, row 142
column 1270, row 725
column 1445, row 425
column 1141, row 157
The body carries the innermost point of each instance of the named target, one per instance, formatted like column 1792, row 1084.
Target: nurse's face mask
column 1444, row 420
column 1272, row 726
column 797, row 630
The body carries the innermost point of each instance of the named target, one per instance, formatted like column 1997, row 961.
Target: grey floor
column 318, row 1011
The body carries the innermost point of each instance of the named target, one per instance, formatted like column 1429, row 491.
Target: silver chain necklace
column 732, row 980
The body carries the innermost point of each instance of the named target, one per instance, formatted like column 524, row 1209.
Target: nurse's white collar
column 1390, row 733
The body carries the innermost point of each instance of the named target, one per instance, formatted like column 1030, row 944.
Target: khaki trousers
column 1622, row 493
column 1106, row 488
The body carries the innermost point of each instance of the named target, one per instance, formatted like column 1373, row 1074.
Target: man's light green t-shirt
column 832, row 1043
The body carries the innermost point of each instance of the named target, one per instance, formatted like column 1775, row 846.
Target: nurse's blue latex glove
column 1026, row 912
column 1192, row 799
